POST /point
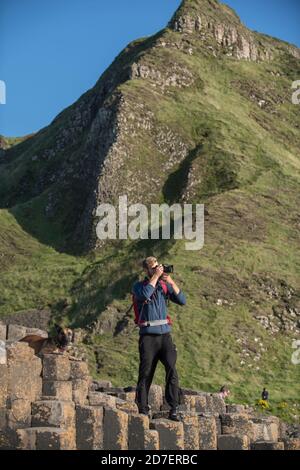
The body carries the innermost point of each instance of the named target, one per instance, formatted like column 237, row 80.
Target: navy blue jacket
column 156, row 309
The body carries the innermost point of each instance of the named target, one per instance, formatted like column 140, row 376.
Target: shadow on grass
column 177, row 181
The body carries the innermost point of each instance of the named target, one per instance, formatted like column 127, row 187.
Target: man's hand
column 167, row 278
column 156, row 275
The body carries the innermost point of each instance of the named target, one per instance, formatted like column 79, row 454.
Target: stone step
column 102, row 399
column 236, row 424
column 96, row 385
column 56, row 367
column 128, row 406
column 53, row 413
column 138, row 425
column 233, row 442
column 89, row 427
column 45, row 438
column 79, row 370
column 115, row 430
column 127, row 396
column 191, row 431
column 267, row 445
column 171, row 434
column 208, row 431
column 151, row 440
column 58, row 389
column 265, row 428
column 80, row 390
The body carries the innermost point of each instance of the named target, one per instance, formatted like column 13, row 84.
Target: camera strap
column 150, row 300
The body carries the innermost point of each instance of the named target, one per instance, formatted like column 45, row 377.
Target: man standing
column 155, row 341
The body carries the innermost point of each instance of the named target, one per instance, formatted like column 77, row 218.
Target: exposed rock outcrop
column 209, row 20
column 50, row 402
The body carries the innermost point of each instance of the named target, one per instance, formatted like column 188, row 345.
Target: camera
column 168, row 268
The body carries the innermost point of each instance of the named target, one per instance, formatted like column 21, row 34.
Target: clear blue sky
column 52, row 51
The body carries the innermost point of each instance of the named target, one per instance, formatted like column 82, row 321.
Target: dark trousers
column 154, row 348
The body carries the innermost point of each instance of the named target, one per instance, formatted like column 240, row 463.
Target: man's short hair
column 149, row 261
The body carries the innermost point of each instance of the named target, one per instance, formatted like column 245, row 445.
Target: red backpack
column 135, row 303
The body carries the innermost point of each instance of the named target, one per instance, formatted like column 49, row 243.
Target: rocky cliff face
column 210, row 21
column 113, row 138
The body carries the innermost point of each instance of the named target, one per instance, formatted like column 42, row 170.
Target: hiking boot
column 146, row 411
column 173, row 415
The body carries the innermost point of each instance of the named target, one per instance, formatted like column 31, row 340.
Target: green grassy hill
column 178, row 117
